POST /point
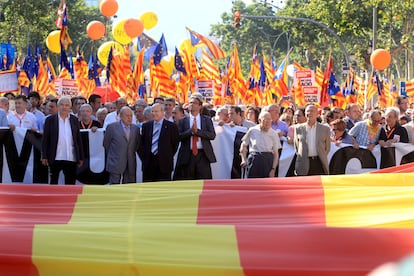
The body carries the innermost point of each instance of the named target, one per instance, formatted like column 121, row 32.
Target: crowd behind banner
column 20, row 157
column 388, row 134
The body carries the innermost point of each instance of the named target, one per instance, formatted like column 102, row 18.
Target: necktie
column 127, row 133
column 194, row 148
column 155, row 137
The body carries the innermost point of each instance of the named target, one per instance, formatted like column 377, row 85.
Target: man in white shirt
column 62, row 148
column 21, row 117
column 312, row 144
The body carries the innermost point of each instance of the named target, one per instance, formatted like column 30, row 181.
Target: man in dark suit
column 195, row 133
column 159, row 142
column 121, row 143
column 61, row 144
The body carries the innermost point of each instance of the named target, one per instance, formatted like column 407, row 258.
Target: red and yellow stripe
column 318, row 225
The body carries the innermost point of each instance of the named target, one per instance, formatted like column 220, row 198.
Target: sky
column 174, row 16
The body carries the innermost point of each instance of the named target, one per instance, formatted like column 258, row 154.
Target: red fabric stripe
column 265, row 201
column 316, row 251
column 280, row 228
column 21, row 208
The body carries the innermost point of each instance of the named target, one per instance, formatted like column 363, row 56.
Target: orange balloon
column 108, row 8
column 95, row 30
column 380, row 59
column 133, row 27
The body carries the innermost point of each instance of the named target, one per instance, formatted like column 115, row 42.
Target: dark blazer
column 51, row 135
column 206, row 134
column 167, row 145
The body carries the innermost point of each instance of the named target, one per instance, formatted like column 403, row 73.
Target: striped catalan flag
column 215, row 50
column 316, row 225
column 23, row 80
column 409, row 88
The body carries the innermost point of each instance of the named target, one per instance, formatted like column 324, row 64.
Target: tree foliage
column 351, row 20
column 27, row 23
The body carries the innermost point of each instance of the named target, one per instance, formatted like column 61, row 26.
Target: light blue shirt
column 3, row 119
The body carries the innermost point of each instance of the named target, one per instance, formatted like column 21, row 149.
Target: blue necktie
column 155, row 137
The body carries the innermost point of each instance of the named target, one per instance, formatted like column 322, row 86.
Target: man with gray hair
column 159, row 142
column 121, row 143
column 61, row 144
column 366, row 132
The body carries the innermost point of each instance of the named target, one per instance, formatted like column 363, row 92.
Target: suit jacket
column 121, row 153
column 206, row 134
column 51, row 137
column 323, row 146
column 167, row 145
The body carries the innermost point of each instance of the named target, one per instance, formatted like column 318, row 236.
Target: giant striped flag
column 316, row 225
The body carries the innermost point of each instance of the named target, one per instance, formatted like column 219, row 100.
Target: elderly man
column 140, row 105
column 264, row 144
column 366, row 132
column 121, row 143
column 277, row 124
column 159, row 142
column 312, row 142
column 61, row 144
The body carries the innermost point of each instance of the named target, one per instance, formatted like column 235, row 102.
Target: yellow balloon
column 186, row 45
column 104, row 49
column 119, row 33
column 168, row 63
column 53, row 41
column 149, row 19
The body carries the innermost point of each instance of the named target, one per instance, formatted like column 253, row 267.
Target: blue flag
column 178, row 62
column 333, row 85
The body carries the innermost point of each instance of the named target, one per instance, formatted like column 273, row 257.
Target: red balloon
column 95, row 30
column 108, row 8
column 380, row 59
column 133, row 27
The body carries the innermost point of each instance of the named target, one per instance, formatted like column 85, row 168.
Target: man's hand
column 44, row 162
column 194, row 129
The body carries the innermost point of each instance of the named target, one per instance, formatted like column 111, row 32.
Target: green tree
column 27, row 23
column 351, row 20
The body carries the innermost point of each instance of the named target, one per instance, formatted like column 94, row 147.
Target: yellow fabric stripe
column 370, row 200
column 144, row 229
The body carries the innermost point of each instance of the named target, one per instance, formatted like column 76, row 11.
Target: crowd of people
column 159, row 130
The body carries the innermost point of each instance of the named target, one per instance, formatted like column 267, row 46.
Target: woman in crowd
column 264, row 144
column 252, row 114
column 340, row 135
